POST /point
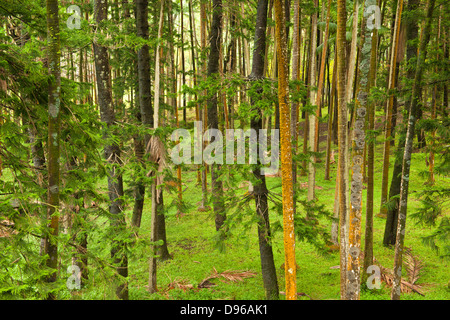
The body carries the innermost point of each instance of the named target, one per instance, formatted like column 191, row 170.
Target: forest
column 224, row 150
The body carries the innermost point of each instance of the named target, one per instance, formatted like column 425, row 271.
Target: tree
column 145, row 104
column 156, row 151
column 358, row 145
column 286, row 152
column 406, row 165
column 111, row 151
column 312, row 119
column 370, row 145
column 320, row 86
column 342, row 140
column 204, row 113
column 295, row 77
column 213, row 120
column 260, row 189
column 388, row 121
column 54, row 106
column 390, row 231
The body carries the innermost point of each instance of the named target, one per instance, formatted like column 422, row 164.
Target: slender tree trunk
column 3, row 89
column 342, row 140
column 445, row 105
column 295, row 77
column 204, row 107
column 390, row 231
column 183, row 68
column 417, row 87
column 213, row 120
column 139, row 150
column 197, row 107
column 80, row 258
column 388, row 121
column 363, row 85
column 157, row 209
column 330, row 125
column 353, row 51
column 144, row 102
column 312, row 100
column 111, row 153
column 54, row 106
column 335, row 224
column 435, row 101
column 321, row 82
column 260, row 189
column 370, row 147
column 286, row 153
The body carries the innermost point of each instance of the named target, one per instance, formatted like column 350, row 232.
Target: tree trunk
column 204, row 107
column 286, row 152
column 111, row 154
column 144, row 102
column 330, row 125
column 312, row 100
column 406, row 165
column 321, row 79
column 388, row 121
column 435, row 101
column 358, row 145
column 197, row 107
column 390, row 231
column 295, row 77
column 353, row 51
column 157, row 209
column 213, row 120
column 370, row 147
column 342, row 140
column 54, row 101
column 260, row 189
column 183, row 68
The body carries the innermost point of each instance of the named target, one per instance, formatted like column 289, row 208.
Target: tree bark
column 111, row 153
column 144, row 102
column 388, row 121
column 312, row 100
column 286, row 152
column 260, row 189
column 54, row 106
column 342, row 140
column 358, row 145
column 390, row 231
column 204, row 107
column 295, row 77
column 183, row 68
column 157, row 209
column 320, row 85
column 406, row 165
column 213, row 120
column 370, row 146
column 330, row 125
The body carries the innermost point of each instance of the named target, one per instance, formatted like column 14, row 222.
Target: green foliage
column 196, row 247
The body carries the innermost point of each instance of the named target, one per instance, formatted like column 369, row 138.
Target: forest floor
column 199, row 270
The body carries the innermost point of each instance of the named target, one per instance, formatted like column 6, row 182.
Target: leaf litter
column 413, row 266
column 226, row 276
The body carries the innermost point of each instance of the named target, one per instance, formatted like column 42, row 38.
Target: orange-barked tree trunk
column 286, row 152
